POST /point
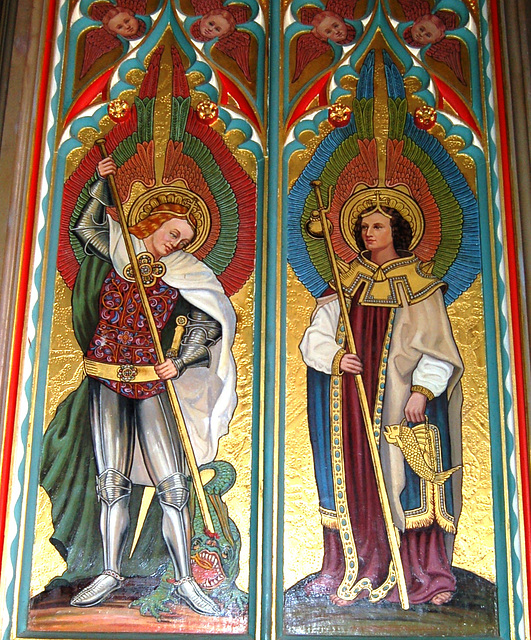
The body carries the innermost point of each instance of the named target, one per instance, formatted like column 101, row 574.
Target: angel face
column 330, row 26
column 173, row 235
column 123, row 24
column 427, row 30
column 215, row 25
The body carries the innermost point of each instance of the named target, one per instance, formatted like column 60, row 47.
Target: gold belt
column 120, row 372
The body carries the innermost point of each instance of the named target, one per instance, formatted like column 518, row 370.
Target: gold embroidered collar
column 380, row 284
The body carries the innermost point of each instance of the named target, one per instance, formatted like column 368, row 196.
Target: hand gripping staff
column 392, row 532
column 172, row 395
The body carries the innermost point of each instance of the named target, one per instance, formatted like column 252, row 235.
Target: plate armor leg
column 166, row 464
column 113, row 449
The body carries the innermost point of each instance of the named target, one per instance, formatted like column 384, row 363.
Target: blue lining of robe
column 319, row 425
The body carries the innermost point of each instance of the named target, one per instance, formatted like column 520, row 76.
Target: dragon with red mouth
column 215, row 555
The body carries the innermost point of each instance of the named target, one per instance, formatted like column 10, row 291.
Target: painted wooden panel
column 272, row 384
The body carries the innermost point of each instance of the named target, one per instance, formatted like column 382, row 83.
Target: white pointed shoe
column 188, row 589
column 98, row 590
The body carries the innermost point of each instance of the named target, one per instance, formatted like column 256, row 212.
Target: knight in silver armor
column 121, row 424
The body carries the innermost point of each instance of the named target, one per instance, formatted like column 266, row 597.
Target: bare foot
column 322, row 585
column 442, row 598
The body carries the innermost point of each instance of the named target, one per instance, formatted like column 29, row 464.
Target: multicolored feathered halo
column 416, row 163
column 198, row 167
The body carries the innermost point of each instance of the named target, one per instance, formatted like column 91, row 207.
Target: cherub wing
column 98, row 9
column 307, row 14
column 343, row 8
column 240, row 13
column 131, row 144
column 98, row 42
column 413, row 9
column 308, row 48
column 204, row 6
column 237, row 46
column 449, row 18
column 448, row 51
column 137, row 6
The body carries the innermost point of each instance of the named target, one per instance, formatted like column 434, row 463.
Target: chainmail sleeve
column 200, row 334
column 92, row 226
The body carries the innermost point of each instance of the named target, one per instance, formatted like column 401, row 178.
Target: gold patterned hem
column 365, row 584
column 382, row 376
column 338, row 470
column 328, row 518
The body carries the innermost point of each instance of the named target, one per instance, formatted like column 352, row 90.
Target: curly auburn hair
column 400, row 228
column 149, row 225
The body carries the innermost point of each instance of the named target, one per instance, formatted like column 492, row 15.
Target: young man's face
column 214, row 26
column 331, row 28
column 424, row 31
column 123, row 24
column 376, row 232
column 173, row 235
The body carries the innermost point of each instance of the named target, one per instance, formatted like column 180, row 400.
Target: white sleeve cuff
column 433, row 374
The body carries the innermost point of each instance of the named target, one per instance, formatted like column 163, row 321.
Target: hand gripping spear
column 172, row 395
column 392, row 533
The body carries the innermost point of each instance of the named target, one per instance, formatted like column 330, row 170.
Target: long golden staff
column 172, row 395
column 392, row 533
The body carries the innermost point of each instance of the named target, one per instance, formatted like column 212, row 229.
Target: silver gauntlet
column 92, row 226
column 200, row 334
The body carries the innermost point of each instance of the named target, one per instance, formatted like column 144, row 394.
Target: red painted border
column 25, row 275
column 513, row 289
column 457, row 103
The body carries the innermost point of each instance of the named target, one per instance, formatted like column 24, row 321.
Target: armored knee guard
column 173, row 491
column 173, row 494
column 111, row 486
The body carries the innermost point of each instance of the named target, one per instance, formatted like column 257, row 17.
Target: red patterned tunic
column 122, row 335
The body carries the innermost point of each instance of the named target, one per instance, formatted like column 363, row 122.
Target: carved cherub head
column 121, row 21
column 425, row 30
column 217, row 23
column 328, row 25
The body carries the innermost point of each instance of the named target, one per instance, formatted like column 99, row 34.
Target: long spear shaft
column 172, row 395
column 362, row 395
